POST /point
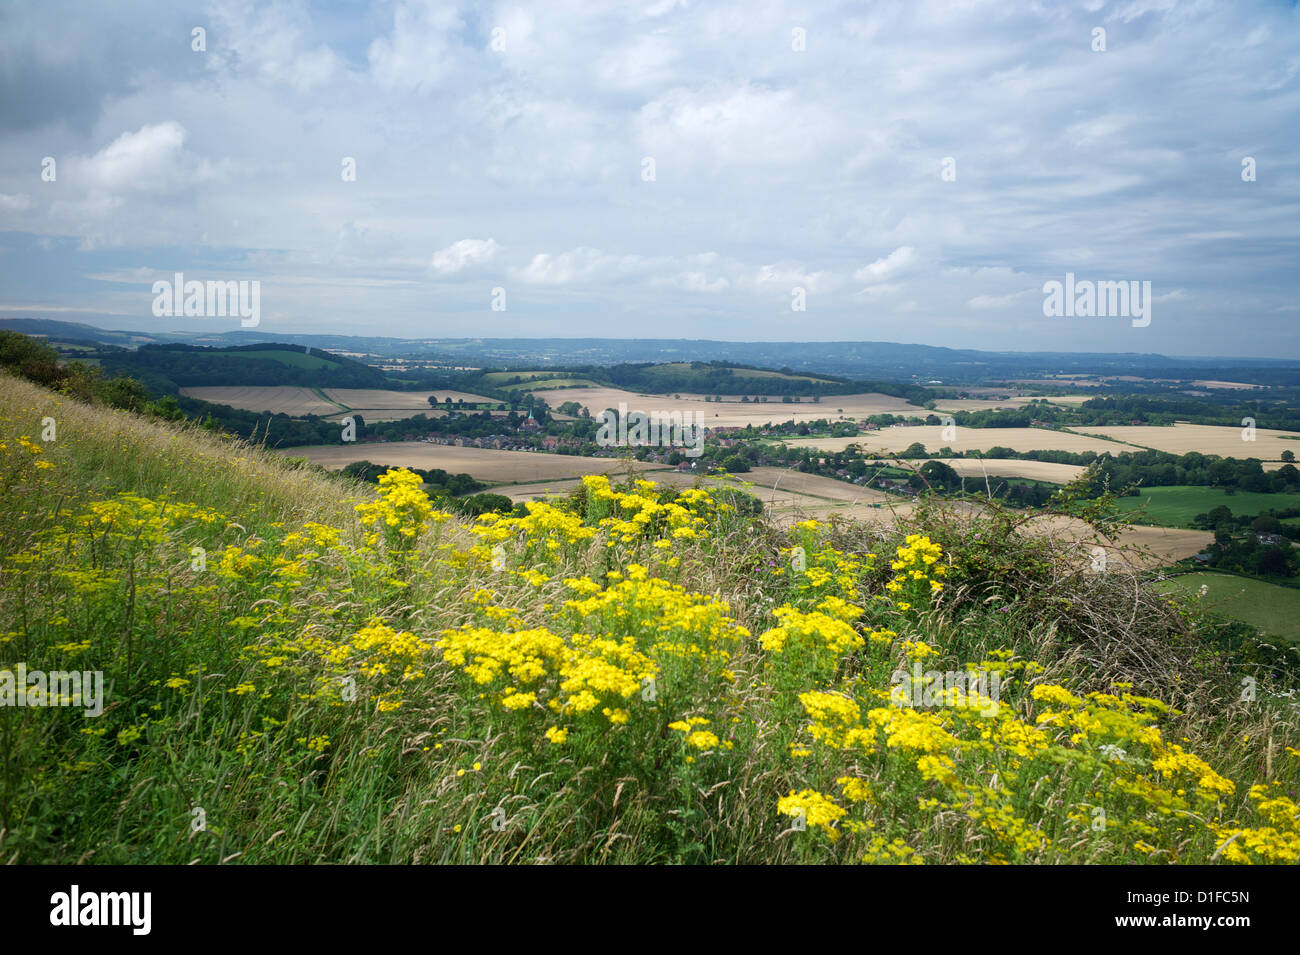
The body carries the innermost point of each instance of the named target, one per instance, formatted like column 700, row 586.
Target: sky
column 911, row 172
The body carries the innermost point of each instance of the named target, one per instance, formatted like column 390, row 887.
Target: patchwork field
column 1271, row 608
column 1175, row 506
column 359, row 399
column 1006, row 468
column 486, row 464
column 275, row 399
column 373, row 403
column 550, row 384
column 1206, row 438
column 986, row 404
column 373, row 415
column 1138, row 546
column 967, row 439
column 731, row 412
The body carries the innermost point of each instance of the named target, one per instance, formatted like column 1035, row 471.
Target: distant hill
column 168, row 368
column 918, row 364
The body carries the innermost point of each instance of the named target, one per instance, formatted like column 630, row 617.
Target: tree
column 940, row 475
column 1288, row 456
column 1272, row 562
column 1266, row 524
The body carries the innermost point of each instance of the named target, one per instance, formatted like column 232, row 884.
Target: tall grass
column 641, row 675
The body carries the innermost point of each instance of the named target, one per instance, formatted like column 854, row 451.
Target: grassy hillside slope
column 302, row 670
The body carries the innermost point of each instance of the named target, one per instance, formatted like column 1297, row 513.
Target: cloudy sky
column 661, row 170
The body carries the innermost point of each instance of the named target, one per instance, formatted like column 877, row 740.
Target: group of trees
column 167, row 368
column 36, row 361
column 1248, row 554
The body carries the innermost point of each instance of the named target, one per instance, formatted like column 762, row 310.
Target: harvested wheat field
column 732, row 412
column 985, row 404
column 1005, row 468
column 966, row 439
column 373, row 415
column 1206, row 438
column 360, row 399
column 1139, row 546
column 978, row 404
column 272, row 399
column 486, row 464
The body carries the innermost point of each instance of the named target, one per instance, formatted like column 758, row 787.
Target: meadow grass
column 1176, row 505
column 302, row 670
column 1270, row 608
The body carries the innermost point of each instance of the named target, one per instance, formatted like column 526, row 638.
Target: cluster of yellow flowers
column 916, row 571
column 402, row 509
column 643, row 514
column 598, row 674
column 34, row 449
column 604, row 648
column 537, row 667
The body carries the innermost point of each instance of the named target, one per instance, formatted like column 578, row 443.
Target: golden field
column 731, row 412
column 274, row 399
column 486, row 464
column 298, row 402
column 1206, row 438
column 966, row 439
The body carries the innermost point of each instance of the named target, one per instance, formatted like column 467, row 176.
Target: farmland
column 1208, row 439
column 1175, row 506
column 359, row 399
column 297, row 402
column 732, row 412
column 1006, row 468
column 485, row 464
column 1270, row 607
column 276, row 399
column 965, row 439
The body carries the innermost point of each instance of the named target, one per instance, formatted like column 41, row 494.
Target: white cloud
column 423, row 51
column 795, row 169
column 147, row 159
column 895, row 263
column 464, row 254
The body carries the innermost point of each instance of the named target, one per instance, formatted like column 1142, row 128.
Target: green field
column 501, row 377
column 547, row 384
column 286, row 357
column 1268, row 607
column 1176, row 506
column 676, row 368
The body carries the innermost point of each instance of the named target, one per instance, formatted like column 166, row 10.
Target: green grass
column 293, row 358
column 550, row 384
column 339, row 694
column 1175, row 506
column 1268, row 607
column 500, row 377
column 675, row 368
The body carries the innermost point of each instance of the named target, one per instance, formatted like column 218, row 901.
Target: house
column 1271, row 539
